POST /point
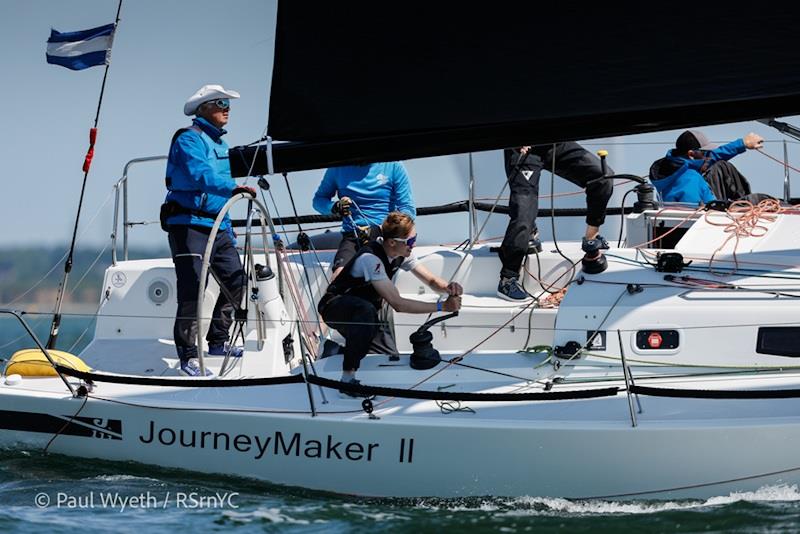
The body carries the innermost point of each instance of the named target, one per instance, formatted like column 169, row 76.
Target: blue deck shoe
column 190, row 365
column 223, row 349
column 593, row 261
column 510, row 289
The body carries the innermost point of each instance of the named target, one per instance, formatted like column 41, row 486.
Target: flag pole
column 87, row 162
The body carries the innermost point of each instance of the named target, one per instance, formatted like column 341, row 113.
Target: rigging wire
column 89, row 269
column 37, row 320
column 64, row 256
column 473, row 241
column 779, row 161
column 106, row 295
column 64, row 427
column 482, row 326
column 286, row 235
column 302, row 258
column 54, row 328
column 553, row 214
column 622, row 216
column 456, row 360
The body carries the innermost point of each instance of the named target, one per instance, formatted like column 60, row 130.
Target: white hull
column 575, row 449
column 672, row 448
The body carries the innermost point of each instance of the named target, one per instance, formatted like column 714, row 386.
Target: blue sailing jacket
column 678, row 179
column 199, row 174
column 377, row 189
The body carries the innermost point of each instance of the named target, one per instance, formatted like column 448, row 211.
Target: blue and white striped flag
column 81, row 50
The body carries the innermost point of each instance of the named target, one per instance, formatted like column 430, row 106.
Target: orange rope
column 662, row 236
column 557, row 195
column 781, row 162
column 743, row 219
column 305, row 324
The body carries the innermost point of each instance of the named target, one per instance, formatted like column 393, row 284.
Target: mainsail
column 369, row 82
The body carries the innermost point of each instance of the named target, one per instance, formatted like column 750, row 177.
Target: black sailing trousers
column 357, row 320
column 572, row 162
column 188, row 244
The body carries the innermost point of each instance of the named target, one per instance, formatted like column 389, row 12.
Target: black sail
column 371, row 81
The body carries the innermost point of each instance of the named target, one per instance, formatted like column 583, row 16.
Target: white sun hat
column 204, row 94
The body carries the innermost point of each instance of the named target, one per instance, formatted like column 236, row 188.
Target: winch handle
column 432, row 322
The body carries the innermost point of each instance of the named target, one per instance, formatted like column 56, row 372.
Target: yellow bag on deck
column 33, row 362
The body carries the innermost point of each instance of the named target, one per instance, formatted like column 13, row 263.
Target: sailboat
column 672, row 374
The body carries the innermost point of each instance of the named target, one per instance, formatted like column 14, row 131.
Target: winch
column 424, row 355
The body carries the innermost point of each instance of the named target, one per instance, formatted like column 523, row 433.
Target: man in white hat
column 199, row 183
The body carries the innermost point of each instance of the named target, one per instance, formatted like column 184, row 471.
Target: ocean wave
column 546, row 506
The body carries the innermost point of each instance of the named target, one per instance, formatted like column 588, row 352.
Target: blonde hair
column 397, row 224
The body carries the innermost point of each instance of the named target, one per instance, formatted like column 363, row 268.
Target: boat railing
column 18, row 316
column 122, row 185
column 471, row 205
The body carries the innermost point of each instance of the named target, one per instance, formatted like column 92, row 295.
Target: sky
column 164, row 50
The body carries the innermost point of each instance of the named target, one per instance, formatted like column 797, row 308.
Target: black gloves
column 342, row 207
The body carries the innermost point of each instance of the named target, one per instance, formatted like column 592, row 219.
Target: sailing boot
column 593, row 261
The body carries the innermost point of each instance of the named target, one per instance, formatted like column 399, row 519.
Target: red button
column 654, row 340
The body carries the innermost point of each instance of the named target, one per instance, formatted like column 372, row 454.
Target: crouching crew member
column 353, row 299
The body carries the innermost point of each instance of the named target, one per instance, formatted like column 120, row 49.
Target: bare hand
column 454, row 289
column 752, row 141
column 524, row 149
column 452, row 304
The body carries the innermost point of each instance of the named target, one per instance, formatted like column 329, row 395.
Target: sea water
column 59, row 494
column 53, row 493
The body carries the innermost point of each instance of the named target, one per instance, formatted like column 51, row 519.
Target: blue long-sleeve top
column 199, row 173
column 376, row 189
column 678, row 179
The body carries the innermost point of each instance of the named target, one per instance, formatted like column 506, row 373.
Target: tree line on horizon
column 23, row 267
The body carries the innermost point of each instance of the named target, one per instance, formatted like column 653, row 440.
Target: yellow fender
column 33, row 362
